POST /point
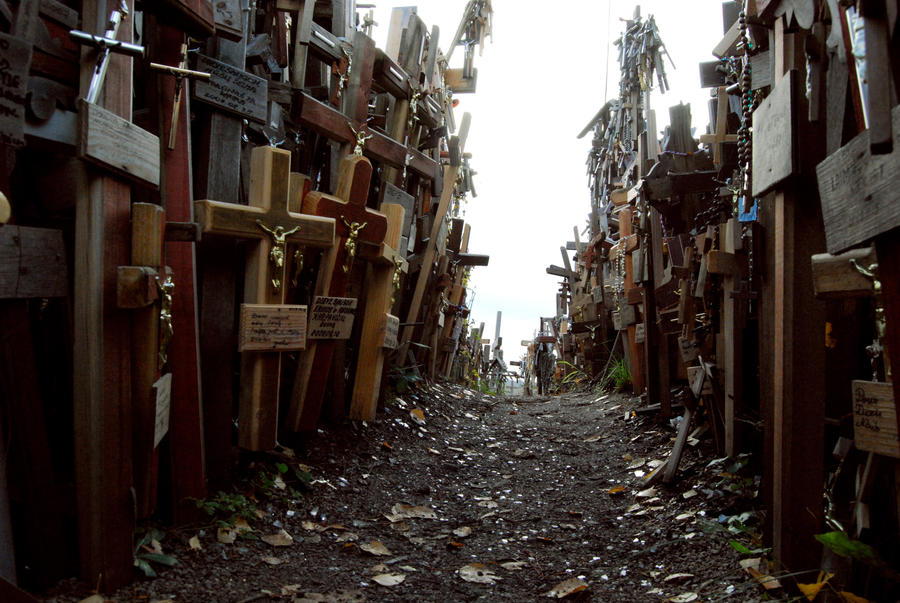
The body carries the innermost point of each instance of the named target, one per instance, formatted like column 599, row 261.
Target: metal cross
column 181, row 72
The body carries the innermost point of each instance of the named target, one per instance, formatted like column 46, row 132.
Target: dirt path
column 518, row 495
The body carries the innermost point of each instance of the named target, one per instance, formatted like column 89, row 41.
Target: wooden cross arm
column 835, row 277
column 713, row 138
column 136, row 286
column 179, row 72
column 722, row 262
column 331, row 123
column 240, row 221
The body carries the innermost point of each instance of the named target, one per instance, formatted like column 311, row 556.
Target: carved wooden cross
column 354, row 224
column 721, row 135
column 269, row 221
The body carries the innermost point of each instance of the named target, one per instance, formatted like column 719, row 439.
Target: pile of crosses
column 746, row 274
column 219, row 221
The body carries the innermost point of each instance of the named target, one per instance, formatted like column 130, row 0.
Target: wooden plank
column 853, row 182
column 228, row 18
column 875, row 418
column 775, row 136
column 232, row 89
column 678, row 448
column 835, row 277
column 728, row 44
column 32, row 263
column 102, row 366
column 115, row 143
column 887, row 248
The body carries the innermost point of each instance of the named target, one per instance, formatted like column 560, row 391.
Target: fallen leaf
column 462, row 532
column 280, row 538
column 521, row 453
column 653, row 464
column 389, row 579
column 347, row 537
column 683, row 516
column 93, row 599
column 435, row 452
column 386, row 445
column 566, row 588
column 811, row 590
column 226, row 535
column 636, row 463
column 689, row 494
column 455, row 545
column 488, row 504
column 594, row 438
column 684, row 598
column 272, row 560
column 311, row 526
column 514, row 565
column 194, row 543
column 648, row 493
column 375, row 548
column 401, row 511
column 417, row 415
column 851, row 598
column 279, row 483
column 477, row 572
column 616, row 490
column 678, row 577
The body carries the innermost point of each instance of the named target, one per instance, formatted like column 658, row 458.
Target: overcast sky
column 540, row 81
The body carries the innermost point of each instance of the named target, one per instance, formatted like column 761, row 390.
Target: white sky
column 540, row 81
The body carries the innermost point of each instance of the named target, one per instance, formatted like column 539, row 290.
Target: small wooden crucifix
column 721, row 135
column 181, row 72
column 269, row 221
column 355, row 223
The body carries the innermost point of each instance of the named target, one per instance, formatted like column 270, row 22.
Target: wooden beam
column 835, row 277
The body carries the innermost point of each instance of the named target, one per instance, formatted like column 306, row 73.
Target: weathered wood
column 721, row 135
column 678, row 448
column 775, row 136
column 15, row 53
column 232, row 89
column 32, row 263
column 875, row 418
column 115, row 143
column 834, row 276
column 270, row 201
column 101, row 390
column 853, row 182
column 887, row 247
column 186, row 434
column 370, row 361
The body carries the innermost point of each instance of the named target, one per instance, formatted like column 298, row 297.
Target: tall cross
column 269, row 222
column 354, row 224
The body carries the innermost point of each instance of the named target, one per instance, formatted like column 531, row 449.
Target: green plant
column 148, row 550
column 618, row 375
column 227, row 506
column 574, row 376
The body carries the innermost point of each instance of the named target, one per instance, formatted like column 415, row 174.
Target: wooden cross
column 721, row 135
column 355, row 224
column 181, row 72
column 381, row 281
column 268, row 221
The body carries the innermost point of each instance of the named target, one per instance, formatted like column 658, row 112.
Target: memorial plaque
column 639, row 333
column 332, row 317
column 391, row 332
column 859, row 198
column 232, row 90
column 775, row 136
column 15, row 58
column 271, row 328
column 118, row 145
column 875, row 418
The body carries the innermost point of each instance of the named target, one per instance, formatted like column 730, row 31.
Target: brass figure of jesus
column 350, row 244
column 276, row 253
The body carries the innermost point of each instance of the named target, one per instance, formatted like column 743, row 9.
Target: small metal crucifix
column 181, row 72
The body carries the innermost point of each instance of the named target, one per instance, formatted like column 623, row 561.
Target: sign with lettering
column 163, row 387
column 875, row 418
column 271, row 328
column 332, row 317
column 231, row 89
column 391, row 332
column 858, row 191
column 15, row 60
column 775, row 136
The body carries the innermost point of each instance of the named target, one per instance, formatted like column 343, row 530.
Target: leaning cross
column 269, row 221
column 355, row 223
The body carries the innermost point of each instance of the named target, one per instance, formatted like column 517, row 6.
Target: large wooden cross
column 270, row 222
column 355, row 224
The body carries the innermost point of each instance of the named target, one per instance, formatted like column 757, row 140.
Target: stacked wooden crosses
column 258, row 207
